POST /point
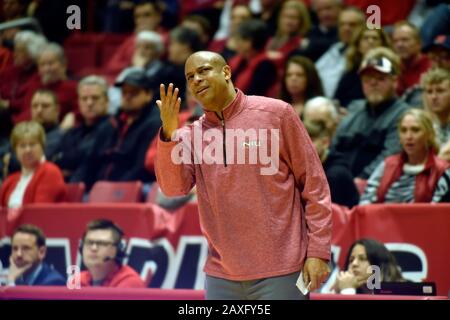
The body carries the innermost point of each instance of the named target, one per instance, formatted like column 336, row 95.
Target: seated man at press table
column 102, row 250
column 27, row 266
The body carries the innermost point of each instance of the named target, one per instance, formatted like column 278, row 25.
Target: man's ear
column 227, row 72
column 42, row 252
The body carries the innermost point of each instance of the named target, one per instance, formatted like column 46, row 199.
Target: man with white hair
column 52, row 67
column 322, row 109
column 20, row 75
column 147, row 17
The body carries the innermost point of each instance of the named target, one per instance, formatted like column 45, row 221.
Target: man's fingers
column 162, row 91
column 305, row 277
column 159, row 104
column 314, row 282
column 177, row 106
column 173, row 99
column 169, row 93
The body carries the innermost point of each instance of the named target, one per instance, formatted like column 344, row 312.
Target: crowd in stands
column 375, row 101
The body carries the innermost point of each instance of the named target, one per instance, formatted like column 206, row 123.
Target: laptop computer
column 407, row 288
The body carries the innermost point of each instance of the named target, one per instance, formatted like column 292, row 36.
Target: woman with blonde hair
column 38, row 181
column 416, row 174
column 349, row 87
column 293, row 24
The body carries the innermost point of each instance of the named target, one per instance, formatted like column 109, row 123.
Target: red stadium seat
column 106, row 191
column 75, row 192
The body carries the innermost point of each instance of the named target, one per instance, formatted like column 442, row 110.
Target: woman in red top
column 416, row 174
column 38, row 181
column 293, row 24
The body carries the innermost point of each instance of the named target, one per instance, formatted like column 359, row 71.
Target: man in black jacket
column 77, row 143
column 118, row 153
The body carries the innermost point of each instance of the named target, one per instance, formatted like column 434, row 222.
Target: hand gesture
column 346, row 279
column 169, row 107
column 315, row 270
column 15, row 271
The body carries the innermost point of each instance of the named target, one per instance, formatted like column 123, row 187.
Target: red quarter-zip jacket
column 257, row 226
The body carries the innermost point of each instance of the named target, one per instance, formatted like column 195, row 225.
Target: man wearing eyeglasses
column 102, row 252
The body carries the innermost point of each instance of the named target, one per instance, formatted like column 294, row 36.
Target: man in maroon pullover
column 264, row 201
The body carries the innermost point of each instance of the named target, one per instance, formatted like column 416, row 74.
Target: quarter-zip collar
column 229, row 112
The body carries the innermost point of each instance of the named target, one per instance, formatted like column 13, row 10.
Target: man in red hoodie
column 264, row 224
column 103, row 251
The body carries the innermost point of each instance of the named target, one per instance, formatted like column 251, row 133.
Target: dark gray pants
column 275, row 288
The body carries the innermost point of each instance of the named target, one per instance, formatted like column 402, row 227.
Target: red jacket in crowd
column 46, row 186
column 426, row 181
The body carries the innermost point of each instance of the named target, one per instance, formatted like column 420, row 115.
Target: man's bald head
column 214, row 58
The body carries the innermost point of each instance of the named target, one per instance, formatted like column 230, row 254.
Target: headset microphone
column 106, row 259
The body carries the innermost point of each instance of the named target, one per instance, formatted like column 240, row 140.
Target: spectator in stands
column 368, row 133
column 436, row 99
column 270, row 12
column 416, row 174
column 349, row 87
column 362, row 255
column 437, row 22
column 300, row 83
column 324, row 34
column 439, row 51
column 331, row 65
column 103, row 250
column 52, row 76
column 45, row 111
column 76, row 144
column 147, row 17
column 253, row 72
column 148, row 51
column 294, row 23
column 407, row 44
column 340, row 179
column 148, row 55
column 118, row 153
column 27, row 46
column 27, row 266
column 227, row 46
column 38, row 181
column 322, row 109
column 201, row 25
column 183, row 42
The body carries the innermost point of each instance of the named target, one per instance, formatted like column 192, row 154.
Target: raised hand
column 169, row 107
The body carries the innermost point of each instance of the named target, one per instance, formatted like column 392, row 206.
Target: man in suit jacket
column 27, row 265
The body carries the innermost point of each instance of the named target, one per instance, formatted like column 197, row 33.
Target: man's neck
column 224, row 102
column 411, row 60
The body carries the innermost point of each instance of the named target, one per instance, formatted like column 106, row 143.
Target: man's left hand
column 315, row 270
